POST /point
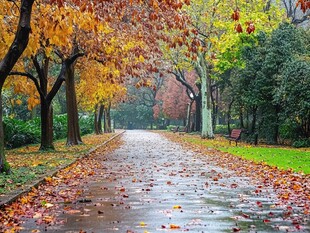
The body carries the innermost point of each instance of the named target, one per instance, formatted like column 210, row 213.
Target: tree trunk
column 17, row 47
column 73, row 134
column 96, row 120
column 188, row 124
column 46, row 126
column 198, row 113
column 229, row 116
column 204, row 73
column 214, row 108
column 241, row 118
column 254, row 114
column 107, row 118
column 4, row 166
column 99, row 120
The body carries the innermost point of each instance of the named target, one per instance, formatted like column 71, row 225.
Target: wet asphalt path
column 150, row 184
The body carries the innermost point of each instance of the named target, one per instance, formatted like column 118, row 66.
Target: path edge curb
column 13, row 196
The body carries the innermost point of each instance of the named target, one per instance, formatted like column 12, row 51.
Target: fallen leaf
column 173, row 226
column 143, row 224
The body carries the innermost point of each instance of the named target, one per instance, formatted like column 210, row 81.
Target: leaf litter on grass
column 42, row 202
column 28, row 163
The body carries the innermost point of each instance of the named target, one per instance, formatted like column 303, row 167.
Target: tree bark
column 73, row 134
column 46, row 126
column 107, row 118
column 198, row 113
column 17, row 47
column 100, row 115
column 229, row 116
column 98, row 118
column 3, row 163
column 204, row 73
column 188, row 120
column 254, row 115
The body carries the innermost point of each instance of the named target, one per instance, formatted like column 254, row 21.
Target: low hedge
column 18, row 133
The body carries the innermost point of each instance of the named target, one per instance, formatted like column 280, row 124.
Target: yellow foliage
column 99, row 84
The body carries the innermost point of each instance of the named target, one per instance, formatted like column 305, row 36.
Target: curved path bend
column 150, row 184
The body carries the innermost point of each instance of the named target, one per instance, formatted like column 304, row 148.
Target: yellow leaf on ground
column 143, row 224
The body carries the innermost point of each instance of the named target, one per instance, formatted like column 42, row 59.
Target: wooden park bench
column 235, row 136
column 182, row 129
column 174, row 129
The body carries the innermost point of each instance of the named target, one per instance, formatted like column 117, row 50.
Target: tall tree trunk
column 17, row 47
column 96, row 120
column 198, row 113
column 107, row 118
column 204, row 73
column 46, row 126
column 100, row 115
column 214, row 108
column 4, row 167
column 229, row 116
column 73, row 134
column 188, row 124
column 254, row 115
column 241, row 118
column 247, row 120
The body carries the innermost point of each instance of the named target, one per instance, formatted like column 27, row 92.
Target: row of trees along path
column 62, row 31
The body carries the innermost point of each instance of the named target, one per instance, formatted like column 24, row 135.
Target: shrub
column 18, row 133
column 304, row 142
column 60, row 126
column 171, row 127
column 223, row 129
column 86, row 124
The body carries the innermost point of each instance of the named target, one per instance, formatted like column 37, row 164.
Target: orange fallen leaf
column 173, row 226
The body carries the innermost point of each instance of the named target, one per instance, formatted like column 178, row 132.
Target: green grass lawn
column 281, row 157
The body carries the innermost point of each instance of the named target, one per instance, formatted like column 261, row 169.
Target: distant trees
column 269, row 92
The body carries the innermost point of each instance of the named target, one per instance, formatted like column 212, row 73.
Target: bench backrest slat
column 235, row 133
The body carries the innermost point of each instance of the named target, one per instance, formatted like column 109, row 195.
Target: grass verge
column 286, row 158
